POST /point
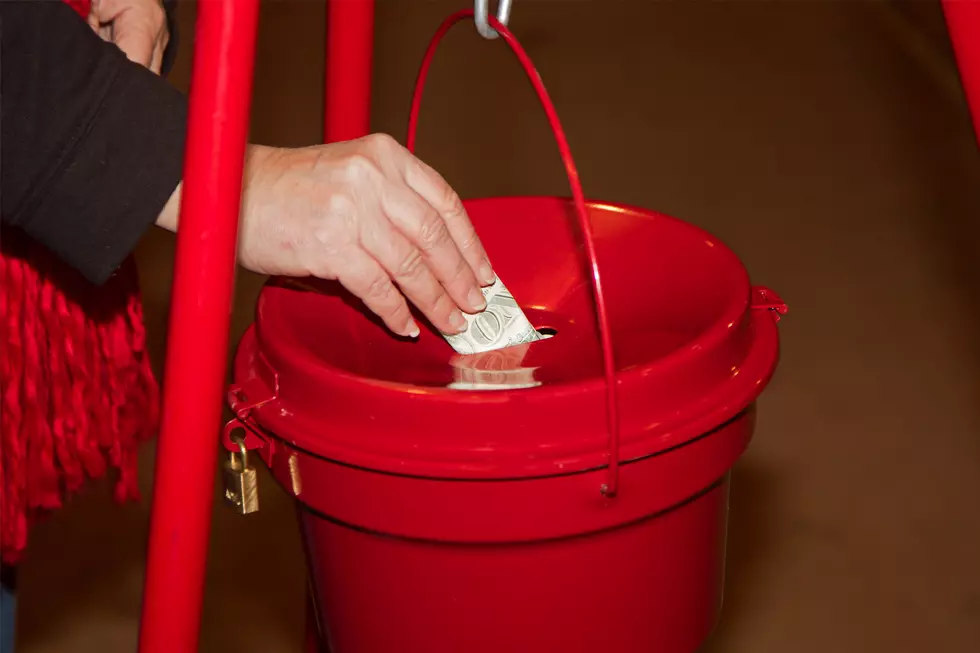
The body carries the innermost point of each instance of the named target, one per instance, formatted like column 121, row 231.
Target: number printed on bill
column 501, row 324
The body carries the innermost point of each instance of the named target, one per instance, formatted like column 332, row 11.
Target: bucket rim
column 688, row 424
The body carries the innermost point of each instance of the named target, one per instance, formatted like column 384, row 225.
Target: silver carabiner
column 481, row 10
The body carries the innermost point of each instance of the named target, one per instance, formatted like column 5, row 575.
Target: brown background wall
column 828, row 143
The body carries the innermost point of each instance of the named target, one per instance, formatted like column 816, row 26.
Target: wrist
column 256, row 159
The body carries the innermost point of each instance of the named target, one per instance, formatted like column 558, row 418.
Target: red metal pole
column 350, row 50
column 963, row 22
column 194, row 377
column 346, row 116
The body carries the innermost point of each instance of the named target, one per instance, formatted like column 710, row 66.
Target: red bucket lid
column 690, row 354
column 660, row 350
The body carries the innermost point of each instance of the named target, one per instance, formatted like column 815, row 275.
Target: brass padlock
column 241, row 480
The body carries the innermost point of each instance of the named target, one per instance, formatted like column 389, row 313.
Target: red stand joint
column 194, row 376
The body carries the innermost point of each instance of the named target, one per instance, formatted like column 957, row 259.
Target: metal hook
column 481, row 10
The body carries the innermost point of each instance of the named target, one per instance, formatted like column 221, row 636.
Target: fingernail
column 475, row 300
column 486, row 273
column 457, row 321
column 412, row 330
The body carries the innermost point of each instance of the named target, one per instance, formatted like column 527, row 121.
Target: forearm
column 92, row 144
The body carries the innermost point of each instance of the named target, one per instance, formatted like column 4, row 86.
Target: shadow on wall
column 752, row 539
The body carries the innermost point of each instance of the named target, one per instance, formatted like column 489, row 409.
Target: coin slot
column 547, row 332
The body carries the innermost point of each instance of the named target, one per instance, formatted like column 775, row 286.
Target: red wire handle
column 611, row 487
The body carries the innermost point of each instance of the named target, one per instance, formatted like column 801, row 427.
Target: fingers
column 370, row 215
column 363, row 277
column 431, row 243
column 430, row 185
column 93, row 18
column 417, row 277
column 137, row 27
column 159, row 47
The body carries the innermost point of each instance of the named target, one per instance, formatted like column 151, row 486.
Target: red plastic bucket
column 570, row 516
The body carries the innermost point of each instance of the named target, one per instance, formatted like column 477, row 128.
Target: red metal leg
column 195, row 369
column 346, row 116
column 963, row 22
column 350, row 50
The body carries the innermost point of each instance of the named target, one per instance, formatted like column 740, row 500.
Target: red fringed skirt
column 78, row 393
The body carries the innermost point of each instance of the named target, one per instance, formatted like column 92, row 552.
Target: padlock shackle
column 611, row 486
column 242, row 451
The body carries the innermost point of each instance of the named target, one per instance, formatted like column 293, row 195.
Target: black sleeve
column 91, row 144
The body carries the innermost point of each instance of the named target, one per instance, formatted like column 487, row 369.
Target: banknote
column 501, row 324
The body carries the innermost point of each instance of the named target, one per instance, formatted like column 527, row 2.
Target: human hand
column 137, row 27
column 373, row 217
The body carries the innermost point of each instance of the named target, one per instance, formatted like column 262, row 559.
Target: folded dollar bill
column 501, row 324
